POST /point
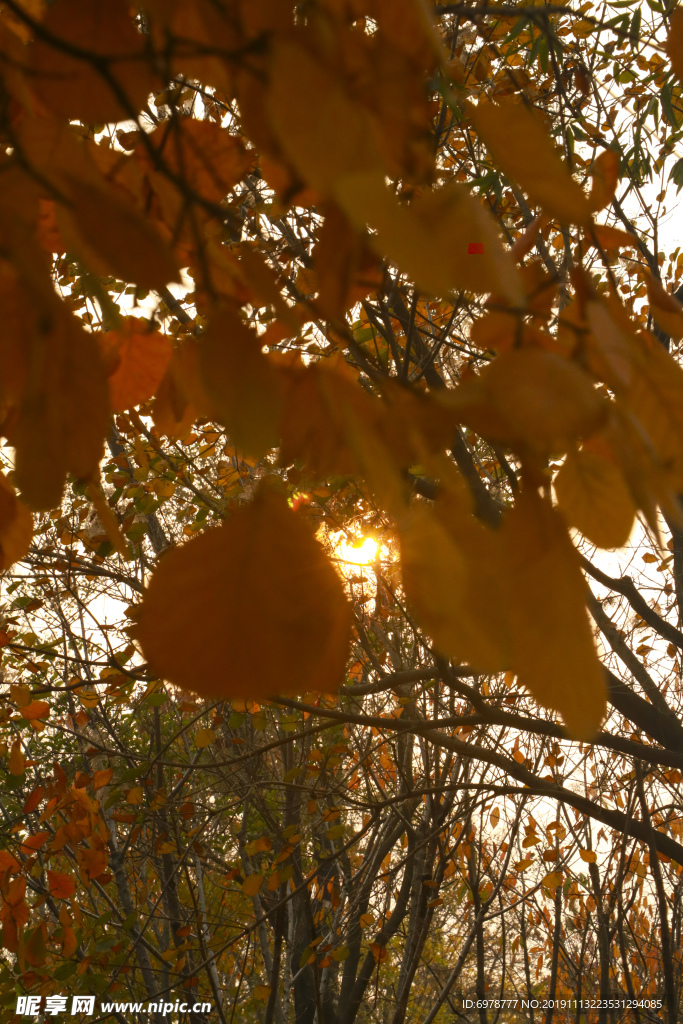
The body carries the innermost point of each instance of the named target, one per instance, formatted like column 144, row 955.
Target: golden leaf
column 594, row 497
column 252, row 884
column 321, row 130
column 588, row 856
column 605, row 178
column 204, row 738
column 529, row 399
column 444, row 239
column 250, row 608
column 554, row 651
column 521, row 147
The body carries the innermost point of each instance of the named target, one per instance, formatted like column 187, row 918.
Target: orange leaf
column 612, row 238
column 33, row 843
column 605, row 175
column 71, row 85
column 112, row 236
column 259, row 586
column 33, row 800
column 36, row 709
column 102, row 777
column 522, row 148
column 589, row 856
column 61, row 886
column 674, row 43
column 209, row 160
column 140, row 357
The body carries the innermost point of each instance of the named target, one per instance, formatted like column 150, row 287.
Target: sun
column 362, row 551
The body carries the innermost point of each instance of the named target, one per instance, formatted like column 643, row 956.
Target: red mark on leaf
column 475, row 249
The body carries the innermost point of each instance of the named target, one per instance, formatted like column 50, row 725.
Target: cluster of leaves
column 336, row 269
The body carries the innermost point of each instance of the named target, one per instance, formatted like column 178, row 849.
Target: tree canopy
column 341, row 532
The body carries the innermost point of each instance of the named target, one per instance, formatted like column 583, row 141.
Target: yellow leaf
column 444, row 239
column 259, row 586
column 16, row 526
column 261, row 993
column 605, row 175
column 450, row 581
column 204, row 738
column 322, row 131
column 554, row 651
column 666, row 310
column 552, row 879
column 594, row 497
column 252, row 884
column 17, row 761
column 522, row 148
column 674, row 43
column 366, row 920
column 135, row 795
column 532, row 400
column 522, row 865
column 612, row 238
column 589, row 856
column 495, row 817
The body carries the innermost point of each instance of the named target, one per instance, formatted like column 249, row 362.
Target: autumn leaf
column 241, row 382
column 62, row 418
column 102, row 778
column 594, row 496
column 17, row 762
column 112, row 237
column 520, row 145
column 674, row 43
column 605, row 177
column 204, row 738
column 35, row 947
column 16, row 526
column 588, row 856
column 135, row 795
column 323, row 132
column 36, row 709
column 554, row 651
column 61, row 886
column 259, row 587
column 137, row 358
column 76, row 87
column 530, row 400
column 430, row 239
column 252, row 884
column 33, row 799
column 34, row 842
column 202, row 153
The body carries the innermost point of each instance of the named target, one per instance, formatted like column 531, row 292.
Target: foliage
column 277, row 278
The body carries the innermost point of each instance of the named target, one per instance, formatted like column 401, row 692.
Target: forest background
column 340, row 527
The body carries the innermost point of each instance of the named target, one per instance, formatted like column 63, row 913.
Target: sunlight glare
column 360, row 552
